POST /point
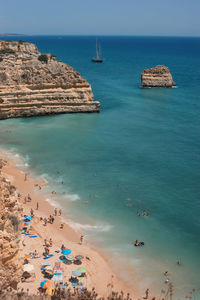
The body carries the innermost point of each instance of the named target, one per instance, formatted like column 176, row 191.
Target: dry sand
column 99, row 273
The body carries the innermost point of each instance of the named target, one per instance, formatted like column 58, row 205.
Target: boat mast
column 97, row 50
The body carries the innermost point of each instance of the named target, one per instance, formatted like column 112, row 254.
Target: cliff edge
column 11, row 258
column 33, row 84
column 158, row 76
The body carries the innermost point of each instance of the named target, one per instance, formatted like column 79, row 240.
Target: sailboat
column 98, row 58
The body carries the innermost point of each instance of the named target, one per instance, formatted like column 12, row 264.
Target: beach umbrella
column 28, row 267
column 62, row 257
column 45, row 284
column 82, row 269
column 77, row 262
column 26, row 256
column 50, row 268
column 49, row 271
column 28, row 217
column 67, row 262
column 79, row 256
column 66, row 251
column 76, row 273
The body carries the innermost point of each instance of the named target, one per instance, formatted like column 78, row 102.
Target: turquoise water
column 144, row 146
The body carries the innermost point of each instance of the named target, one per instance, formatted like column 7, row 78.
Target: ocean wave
column 53, row 203
column 72, row 197
column 88, row 227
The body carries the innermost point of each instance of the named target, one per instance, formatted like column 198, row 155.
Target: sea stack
column 158, row 76
column 33, row 84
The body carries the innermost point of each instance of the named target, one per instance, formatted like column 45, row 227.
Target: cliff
column 158, row 76
column 32, row 84
column 10, row 254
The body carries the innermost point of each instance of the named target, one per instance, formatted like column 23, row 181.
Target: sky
column 101, row 17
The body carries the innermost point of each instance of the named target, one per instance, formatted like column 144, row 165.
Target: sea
column 139, row 155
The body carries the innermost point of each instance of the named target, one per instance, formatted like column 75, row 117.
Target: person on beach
column 45, row 221
column 55, row 211
column 147, row 294
column 61, row 226
column 29, row 197
column 81, row 239
column 25, row 200
column 37, row 206
column 25, row 177
column 50, row 243
column 60, row 212
column 32, row 213
column 46, row 251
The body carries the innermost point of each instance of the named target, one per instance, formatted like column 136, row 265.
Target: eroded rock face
column 30, row 87
column 158, row 76
column 11, row 259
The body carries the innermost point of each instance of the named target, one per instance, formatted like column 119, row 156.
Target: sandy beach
column 99, row 272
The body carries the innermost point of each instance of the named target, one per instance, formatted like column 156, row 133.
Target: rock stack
column 158, row 76
column 33, row 84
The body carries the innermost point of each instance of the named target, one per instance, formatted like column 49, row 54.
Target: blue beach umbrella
column 45, row 284
column 28, row 217
column 76, row 273
column 66, row 251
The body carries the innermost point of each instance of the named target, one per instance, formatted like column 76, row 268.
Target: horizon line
column 95, row 35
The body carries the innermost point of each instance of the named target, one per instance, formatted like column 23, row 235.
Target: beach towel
column 58, row 277
column 74, row 284
column 49, row 256
column 33, row 236
column 57, row 265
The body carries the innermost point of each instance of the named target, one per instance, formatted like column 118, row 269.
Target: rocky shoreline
column 11, row 258
column 33, row 84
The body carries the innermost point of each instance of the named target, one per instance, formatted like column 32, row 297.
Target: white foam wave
column 53, row 203
column 88, row 227
column 72, row 197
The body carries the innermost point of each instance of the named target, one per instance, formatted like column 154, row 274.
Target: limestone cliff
column 10, row 246
column 32, row 84
column 158, row 76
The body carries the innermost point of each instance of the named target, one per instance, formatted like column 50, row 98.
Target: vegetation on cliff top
column 43, row 58
column 7, row 51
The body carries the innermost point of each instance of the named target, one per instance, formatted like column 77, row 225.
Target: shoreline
column 97, row 265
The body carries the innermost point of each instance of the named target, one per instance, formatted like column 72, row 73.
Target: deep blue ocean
column 142, row 152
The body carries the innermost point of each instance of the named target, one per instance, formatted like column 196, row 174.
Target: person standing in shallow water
column 55, row 211
column 81, row 239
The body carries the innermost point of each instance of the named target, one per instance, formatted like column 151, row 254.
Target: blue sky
column 101, row 17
